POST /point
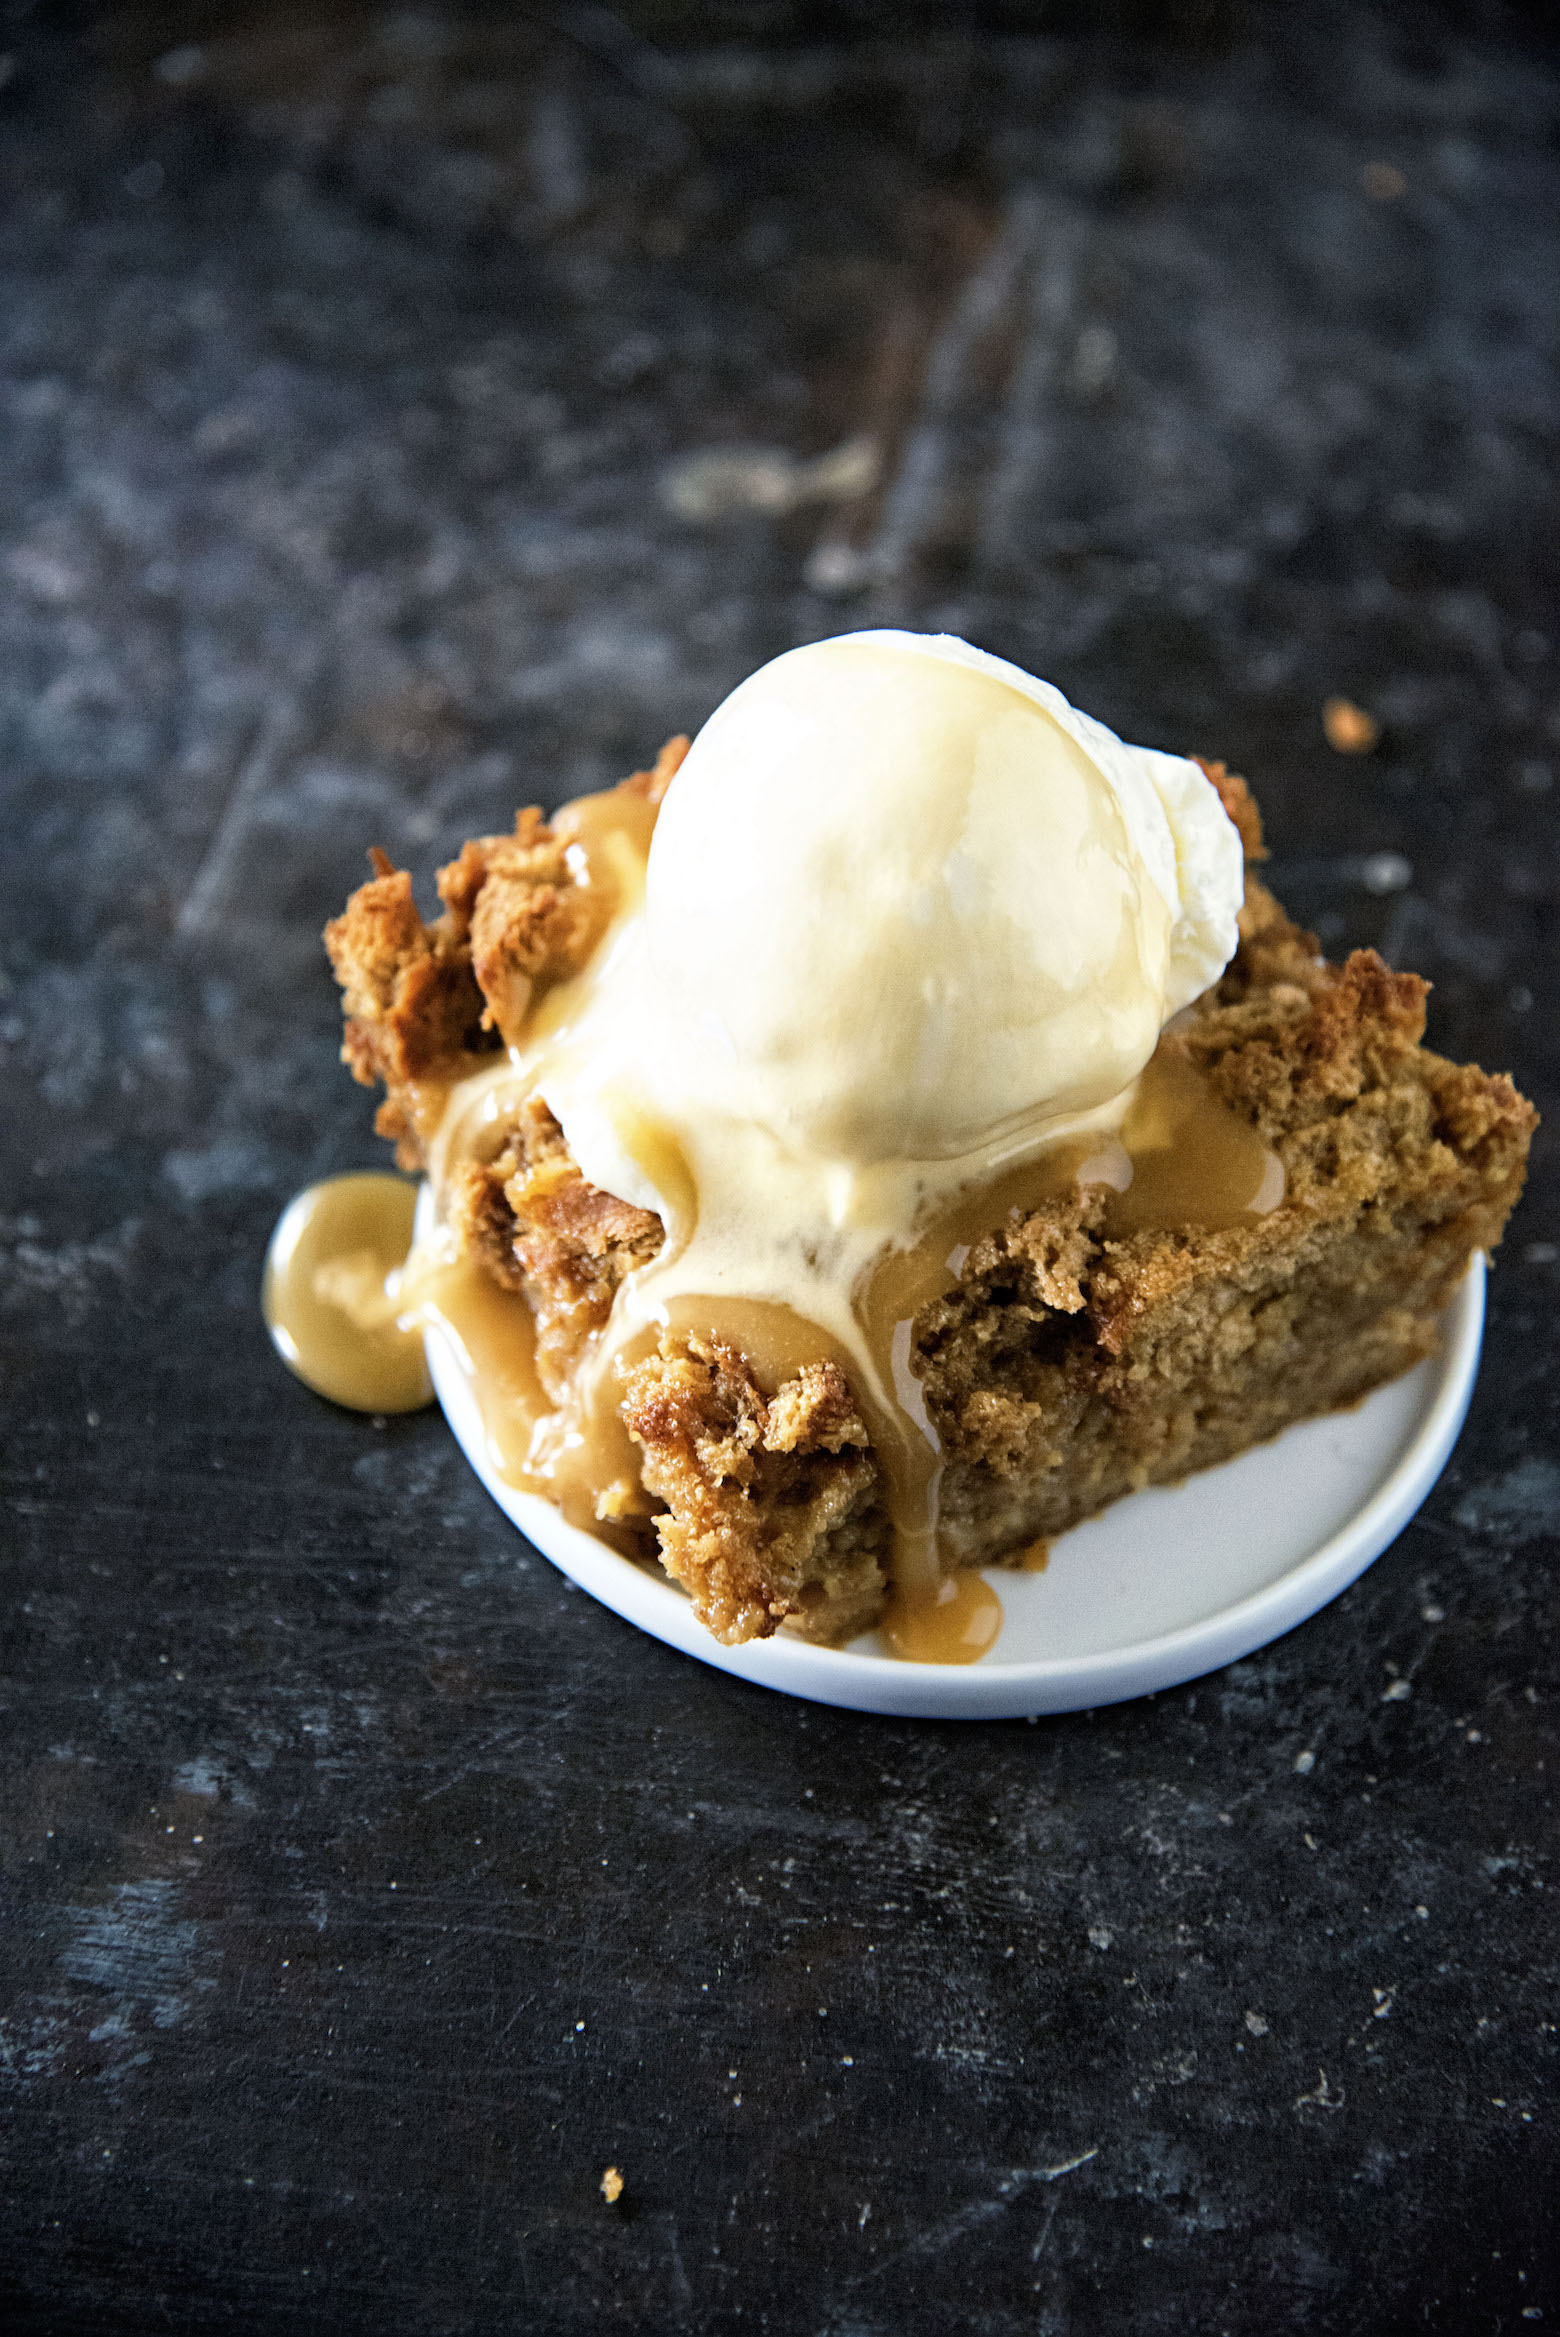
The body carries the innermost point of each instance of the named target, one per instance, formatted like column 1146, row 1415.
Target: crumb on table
column 1349, row 730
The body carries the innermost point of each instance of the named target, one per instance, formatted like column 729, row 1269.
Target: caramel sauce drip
column 1194, row 1161
column 588, row 825
column 957, row 1623
column 492, row 1340
column 899, row 1286
column 579, row 1457
column 606, row 842
column 329, row 1294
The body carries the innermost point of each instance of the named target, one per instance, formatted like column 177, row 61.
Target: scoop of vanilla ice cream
column 904, row 902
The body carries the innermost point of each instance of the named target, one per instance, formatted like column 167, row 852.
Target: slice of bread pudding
column 1069, row 1363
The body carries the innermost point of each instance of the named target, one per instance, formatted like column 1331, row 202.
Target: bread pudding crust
column 1064, row 1368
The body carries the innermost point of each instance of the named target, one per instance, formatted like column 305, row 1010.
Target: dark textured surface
column 366, row 1890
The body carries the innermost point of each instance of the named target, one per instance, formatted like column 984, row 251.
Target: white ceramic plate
column 1166, row 1585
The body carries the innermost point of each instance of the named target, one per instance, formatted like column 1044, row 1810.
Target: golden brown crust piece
column 522, row 917
column 414, row 1012
column 1239, row 803
column 540, row 1229
column 425, row 1003
column 1065, row 1368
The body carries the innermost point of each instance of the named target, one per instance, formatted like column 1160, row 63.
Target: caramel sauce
column 607, row 839
column 898, row 1287
column 1033, row 1560
column 1194, row 1162
column 492, row 1340
column 655, row 1149
column 580, row 1456
column 774, row 1341
column 329, row 1294
column 957, row 1623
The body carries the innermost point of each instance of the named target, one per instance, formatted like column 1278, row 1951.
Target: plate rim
column 990, row 1690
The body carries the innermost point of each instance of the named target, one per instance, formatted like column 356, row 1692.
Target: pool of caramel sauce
column 329, row 1296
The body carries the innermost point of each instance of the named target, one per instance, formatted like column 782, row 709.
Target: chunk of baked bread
column 1066, row 1367
column 427, row 1004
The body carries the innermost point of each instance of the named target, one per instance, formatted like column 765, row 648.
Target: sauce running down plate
column 1164, row 1586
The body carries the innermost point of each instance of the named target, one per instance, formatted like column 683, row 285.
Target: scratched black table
column 410, row 414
